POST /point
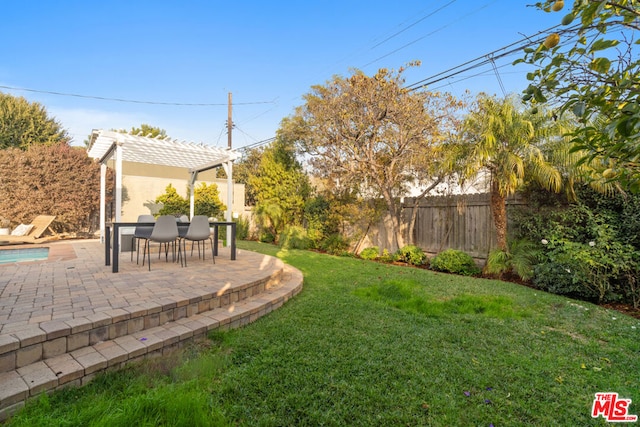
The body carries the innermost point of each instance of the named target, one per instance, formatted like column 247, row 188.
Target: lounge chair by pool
column 39, row 225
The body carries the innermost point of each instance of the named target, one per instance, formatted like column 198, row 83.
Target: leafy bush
column 55, row 180
column 601, row 271
column 318, row 220
column 242, row 228
column 207, row 200
column 622, row 209
column 454, row 261
column 386, row 256
column 370, row 253
column 294, row 237
column 267, row 237
column 590, row 249
column 519, row 259
column 269, row 219
column 335, row 244
column 173, row 203
column 411, row 255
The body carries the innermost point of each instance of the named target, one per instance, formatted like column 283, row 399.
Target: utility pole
column 228, row 170
column 229, row 123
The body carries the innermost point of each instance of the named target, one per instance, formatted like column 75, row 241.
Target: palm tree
column 506, row 141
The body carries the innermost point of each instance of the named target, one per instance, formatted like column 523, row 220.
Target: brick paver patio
column 65, row 319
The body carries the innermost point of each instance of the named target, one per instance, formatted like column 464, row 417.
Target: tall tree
column 371, row 136
column 281, row 187
column 507, row 142
column 243, row 170
column 24, row 123
column 591, row 69
column 144, row 130
column 148, row 131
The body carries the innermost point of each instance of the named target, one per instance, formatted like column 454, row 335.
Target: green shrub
column 606, row 270
column 386, row 256
column 454, row 261
column 173, row 203
column 242, row 228
column 318, row 220
column 600, row 271
column 411, row 255
column 335, row 244
column 371, row 253
column 294, row 237
column 207, row 200
column 267, row 237
column 519, row 259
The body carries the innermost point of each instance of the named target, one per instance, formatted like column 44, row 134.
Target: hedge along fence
column 462, row 222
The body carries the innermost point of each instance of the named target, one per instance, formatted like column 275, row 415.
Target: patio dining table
column 111, row 251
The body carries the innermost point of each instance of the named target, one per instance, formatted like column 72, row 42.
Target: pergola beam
column 123, row 147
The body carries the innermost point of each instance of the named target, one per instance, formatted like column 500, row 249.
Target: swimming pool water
column 8, row 256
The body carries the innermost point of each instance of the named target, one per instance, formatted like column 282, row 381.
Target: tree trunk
column 396, row 233
column 412, row 222
column 399, row 238
column 499, row 212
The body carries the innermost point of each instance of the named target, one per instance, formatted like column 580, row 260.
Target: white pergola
column 109, row 145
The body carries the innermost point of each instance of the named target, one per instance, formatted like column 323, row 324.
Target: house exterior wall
column 142, row 183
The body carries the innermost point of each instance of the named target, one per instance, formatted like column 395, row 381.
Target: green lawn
column 369, row 344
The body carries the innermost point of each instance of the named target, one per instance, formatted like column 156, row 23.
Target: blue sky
column 267, row 54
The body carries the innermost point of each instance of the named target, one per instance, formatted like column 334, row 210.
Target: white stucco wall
column 143, row 183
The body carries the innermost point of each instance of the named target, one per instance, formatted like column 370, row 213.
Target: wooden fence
column 461, row 222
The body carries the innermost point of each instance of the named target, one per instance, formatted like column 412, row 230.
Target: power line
column 275, row 105
column 377, row 44
column 482, row 73
column 256, row 144
column 495, row 69
column 236, row 127
column 573, row 31
column 132, row 101
column 412, row 25
column 404, row 46
column 428, row 34
column 486, row 58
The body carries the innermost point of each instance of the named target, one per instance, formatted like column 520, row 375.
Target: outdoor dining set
column 172, row 235
column 172, row 232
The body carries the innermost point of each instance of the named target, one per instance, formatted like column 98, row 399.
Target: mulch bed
column 624, row 308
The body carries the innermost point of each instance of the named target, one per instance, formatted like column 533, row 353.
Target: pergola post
column 118, row 195
column 192, row 193
column 103, row 199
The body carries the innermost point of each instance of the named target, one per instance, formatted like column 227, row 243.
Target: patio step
column 62, row 354
column 44, row 340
